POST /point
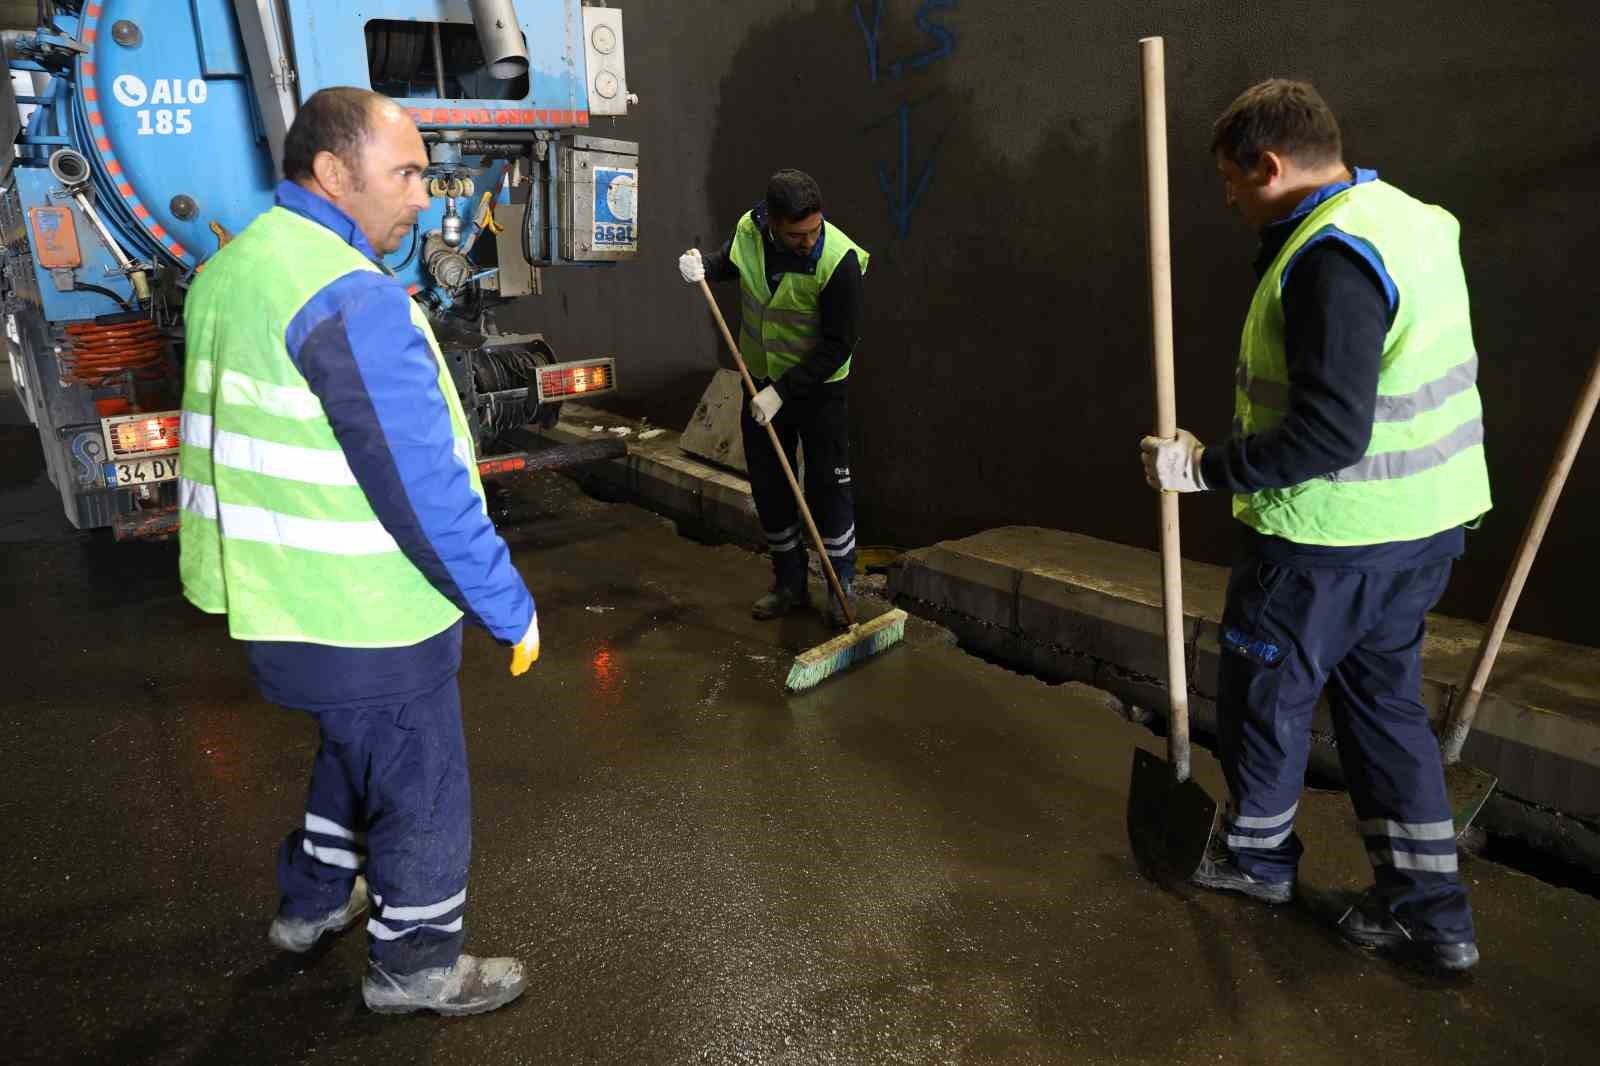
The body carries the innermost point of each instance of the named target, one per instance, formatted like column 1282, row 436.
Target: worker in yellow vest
column 800, row 299
column 331, row 509
column 1356, row 461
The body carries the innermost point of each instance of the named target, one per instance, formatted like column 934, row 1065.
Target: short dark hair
column 792, row 195
column 337, row 120
column 1278, row 115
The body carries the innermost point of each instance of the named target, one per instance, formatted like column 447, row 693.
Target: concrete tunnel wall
column 990, row 157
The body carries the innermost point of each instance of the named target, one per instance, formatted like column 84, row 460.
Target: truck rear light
column 563, row 381
column 141, row 434
column 501, row 465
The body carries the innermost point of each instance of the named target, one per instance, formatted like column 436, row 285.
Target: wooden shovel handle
column 1153, row 53
column 1465, row 709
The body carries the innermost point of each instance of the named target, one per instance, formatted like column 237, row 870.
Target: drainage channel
column 1533, row 856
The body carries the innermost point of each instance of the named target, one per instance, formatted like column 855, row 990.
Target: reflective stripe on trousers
column 1290, row 633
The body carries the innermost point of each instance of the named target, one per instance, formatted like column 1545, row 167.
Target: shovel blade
column 1169, row 822
column 1467, row 790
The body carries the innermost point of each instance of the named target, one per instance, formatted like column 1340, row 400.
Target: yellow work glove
column 526, row 653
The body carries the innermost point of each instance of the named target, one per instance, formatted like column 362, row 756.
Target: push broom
column 861, row 640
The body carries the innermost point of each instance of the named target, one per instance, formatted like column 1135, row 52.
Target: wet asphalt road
column 923, row 861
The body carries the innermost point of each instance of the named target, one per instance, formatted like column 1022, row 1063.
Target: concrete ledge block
column 1540, row 757
column 966, row 584
column 1070, row 607
column 713, row 431
column 658, row 475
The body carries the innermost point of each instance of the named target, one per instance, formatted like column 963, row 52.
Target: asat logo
column 130, row 91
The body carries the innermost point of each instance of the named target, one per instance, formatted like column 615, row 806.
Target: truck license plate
column 145, row 470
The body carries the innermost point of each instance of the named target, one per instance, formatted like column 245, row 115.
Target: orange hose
column 94, row 352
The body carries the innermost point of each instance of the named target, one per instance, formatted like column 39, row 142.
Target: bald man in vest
column 800, row 282
column 1356, row 461
column 331, row 509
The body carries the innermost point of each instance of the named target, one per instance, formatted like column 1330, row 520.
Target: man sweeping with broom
column 800, row 282
column 800, row 317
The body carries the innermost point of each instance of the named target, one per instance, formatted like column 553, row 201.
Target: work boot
column 471, row 986
column 301, row 934
column 835, row 614
column 1369, row 924
column 780, row 601
column 1221, row 874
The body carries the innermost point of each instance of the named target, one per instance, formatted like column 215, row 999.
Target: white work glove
column 526, row 653
column 764, row 407
column 691, row 266
column 1172, row 464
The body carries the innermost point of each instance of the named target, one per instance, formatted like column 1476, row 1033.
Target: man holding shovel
column 1356, row 460
column 800, row 282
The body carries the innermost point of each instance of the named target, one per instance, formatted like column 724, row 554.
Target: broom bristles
column 815, row 665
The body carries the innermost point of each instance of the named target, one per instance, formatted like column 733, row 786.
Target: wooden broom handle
column 783, row 460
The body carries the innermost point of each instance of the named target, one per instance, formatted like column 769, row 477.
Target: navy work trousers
column 389, row 794
column 820, row 423
column 1289, row 632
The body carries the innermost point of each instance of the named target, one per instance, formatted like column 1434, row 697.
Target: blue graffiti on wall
column 901, row 189
column 942, row 34
column 898, row 186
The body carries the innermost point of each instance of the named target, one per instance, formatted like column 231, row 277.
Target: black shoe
column 1369, row 924
column 835, row 614
column 1221, row 875
column 780, row 601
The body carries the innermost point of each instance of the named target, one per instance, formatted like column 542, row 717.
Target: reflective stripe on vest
column 1399, row 408
column 778, row 329
column 1388, row 466
column 258, row 524
column 1424, row 470
column 289, row 461
column 275, row 531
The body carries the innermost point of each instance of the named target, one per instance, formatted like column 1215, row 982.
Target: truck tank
column 154, row 133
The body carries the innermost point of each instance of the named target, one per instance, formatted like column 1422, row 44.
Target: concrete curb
column 705, row 499
column 1072, row 608
column 1066, row 607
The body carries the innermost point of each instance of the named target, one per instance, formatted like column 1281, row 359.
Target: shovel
column 1170, row 817
column 1468, row 788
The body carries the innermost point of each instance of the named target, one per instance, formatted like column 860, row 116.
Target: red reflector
column 138, row 434
column 565, row 380
column 508, row 464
